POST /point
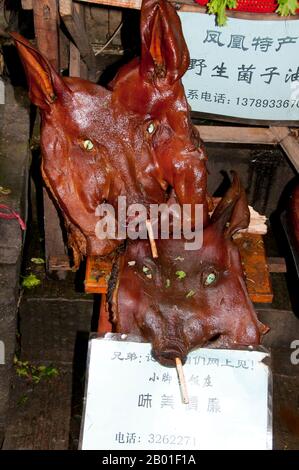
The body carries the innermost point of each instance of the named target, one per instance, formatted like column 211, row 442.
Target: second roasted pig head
column 134, row 139
column 188, row 299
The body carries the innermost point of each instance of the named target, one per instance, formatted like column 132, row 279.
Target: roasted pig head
column 188, row 299
column 134, row 139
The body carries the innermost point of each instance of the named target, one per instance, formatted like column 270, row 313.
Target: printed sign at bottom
column 132, row 402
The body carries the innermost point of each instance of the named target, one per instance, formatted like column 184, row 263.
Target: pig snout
column 166, row 351
column 176, row 336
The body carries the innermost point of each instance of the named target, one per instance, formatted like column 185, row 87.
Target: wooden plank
column 255, row 267
column 46, row 31
column 64, row 47
column 134, row 4
column 75, row 61
column 245, row 121
column 27, row 4
column 98, row 271
column 288, row 143
column 77, row 68
column 188, row 6
column 237, row 135
column 75, row 25
column 46, row 19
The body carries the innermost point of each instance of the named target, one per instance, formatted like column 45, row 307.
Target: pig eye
column 151, row 128
column 209, row 279
column 88, row 145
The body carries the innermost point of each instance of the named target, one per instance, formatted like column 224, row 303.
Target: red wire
column 11, row 214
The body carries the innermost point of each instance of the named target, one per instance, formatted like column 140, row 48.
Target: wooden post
column 46, row 31
column 72, row 16
column 75, row 62
column 77, row 67
column 64, row 51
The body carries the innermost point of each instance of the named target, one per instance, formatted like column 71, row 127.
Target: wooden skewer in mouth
column 151, row 238
column 182, row 381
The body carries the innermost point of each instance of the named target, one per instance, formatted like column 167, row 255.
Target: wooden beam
column 64, row 51
column 189, row 6
column 77, row 68
column 134, row 4
column 237, row 135
column 75, row 61
column 75, row 25
column 288, row 143
column 46, row 19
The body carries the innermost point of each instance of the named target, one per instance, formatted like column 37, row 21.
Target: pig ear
column 232, row 212
column 164, row 53
column 44, row 83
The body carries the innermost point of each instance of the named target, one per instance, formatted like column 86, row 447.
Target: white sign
column 247, row 69
column 132, row 402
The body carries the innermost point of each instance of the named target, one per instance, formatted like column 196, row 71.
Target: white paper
column 229, row 76
column 132, row 402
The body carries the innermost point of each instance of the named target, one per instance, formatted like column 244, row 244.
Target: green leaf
column 218, row 7
column 38, row 260
column 167, row 283
column 287, row 7
column 22, row 372
column 181, row 274
column 50, row 371
column 30, row 281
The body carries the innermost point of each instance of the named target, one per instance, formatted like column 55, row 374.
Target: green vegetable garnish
column 181, row 274
column 38, row 260
column 30, row 281
column 287, row 7
column 218, row 8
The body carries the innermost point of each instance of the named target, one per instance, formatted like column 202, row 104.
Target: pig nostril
column 167, row 358
column 214, row 338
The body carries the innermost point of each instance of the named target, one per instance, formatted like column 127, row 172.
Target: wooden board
column 98, row 271
column 46, row 26
column 190, row 6
column 73, row 18
column 237, row 135
column 252, row 251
